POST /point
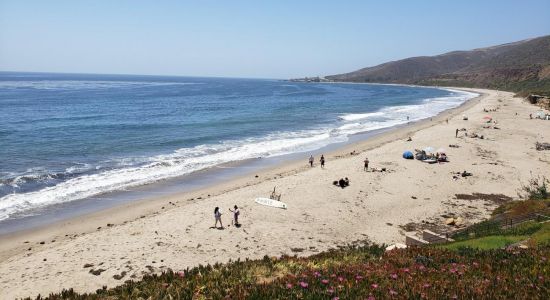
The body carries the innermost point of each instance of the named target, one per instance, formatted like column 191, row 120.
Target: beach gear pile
column 542, row 146
column 427, row 155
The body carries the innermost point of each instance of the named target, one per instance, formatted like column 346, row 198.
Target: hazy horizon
column 244, row 39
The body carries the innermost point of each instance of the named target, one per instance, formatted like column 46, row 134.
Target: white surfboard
column 270, row 202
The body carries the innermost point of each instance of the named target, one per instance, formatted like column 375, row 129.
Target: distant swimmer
column 322, row 161
column 311, row 159
column 407, row 118
column 366, row 161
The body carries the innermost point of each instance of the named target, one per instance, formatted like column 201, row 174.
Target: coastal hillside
column 522, row 67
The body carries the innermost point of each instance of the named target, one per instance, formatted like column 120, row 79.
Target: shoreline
column 187, row 183
column 131, row 210
column 172, row 232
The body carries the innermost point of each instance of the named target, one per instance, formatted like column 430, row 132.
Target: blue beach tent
column 408, row 155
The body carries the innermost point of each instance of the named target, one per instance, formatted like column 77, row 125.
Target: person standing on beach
column 366, row 168
column 218, row 217
column 456, row 133
column 236, row 214
column 311, row 159
column 322, row 161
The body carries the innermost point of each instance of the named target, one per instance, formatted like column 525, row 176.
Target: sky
column 251, row 39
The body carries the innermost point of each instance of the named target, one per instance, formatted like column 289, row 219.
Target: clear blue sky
column 236, row 38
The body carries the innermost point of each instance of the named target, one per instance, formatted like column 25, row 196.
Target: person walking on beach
column 366, row 168
column 218, row 217
column 311, row 159
column 456, row 133
column 236, row 214
column 322, row 161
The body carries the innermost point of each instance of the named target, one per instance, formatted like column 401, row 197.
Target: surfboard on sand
column 270, row 202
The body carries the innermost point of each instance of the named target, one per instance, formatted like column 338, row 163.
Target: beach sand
column 174, row 232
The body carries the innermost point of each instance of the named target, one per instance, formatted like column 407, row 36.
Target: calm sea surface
column 66, row 137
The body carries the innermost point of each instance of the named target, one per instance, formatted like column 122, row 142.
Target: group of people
column 342, row 182
column 321, row 160
column 218, row 217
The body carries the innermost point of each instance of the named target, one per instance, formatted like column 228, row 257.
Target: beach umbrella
column 429, row 149
column 408, row 155
column 488, row 117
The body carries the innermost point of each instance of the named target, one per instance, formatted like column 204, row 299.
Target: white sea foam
column 132, row 172
column 354, row 117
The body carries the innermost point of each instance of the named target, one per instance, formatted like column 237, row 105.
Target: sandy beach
column 109, row 247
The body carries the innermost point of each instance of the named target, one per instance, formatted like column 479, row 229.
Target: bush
column 365, row 272
column 536, row 189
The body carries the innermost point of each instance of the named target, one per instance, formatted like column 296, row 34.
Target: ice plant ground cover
column 359, row 272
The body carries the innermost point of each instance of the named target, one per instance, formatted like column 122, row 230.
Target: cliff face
column 523, row 67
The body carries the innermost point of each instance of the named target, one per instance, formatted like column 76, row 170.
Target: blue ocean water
column 66, row 137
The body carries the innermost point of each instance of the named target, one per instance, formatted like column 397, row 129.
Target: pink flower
column 289, row 285
column 317, row 274
column 358, row 277
column 392, row 292
column 426, row 285
column 374, row 286
column 332, row 275
column 181, row 274
column 393, row 276
column 330, row 291
column 304, row 284
column 335, row 298
column 371, row 297
column 324, row 281
column 340, row 278
column 406, row 270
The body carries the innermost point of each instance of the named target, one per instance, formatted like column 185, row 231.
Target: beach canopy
column 488, row 117
column 408, row 155
column 429, row 149
column 541, row 114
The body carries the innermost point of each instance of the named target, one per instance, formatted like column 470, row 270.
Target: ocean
column 65, row 138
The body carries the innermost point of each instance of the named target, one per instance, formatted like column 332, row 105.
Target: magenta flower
column 392, row 292
column 374, row 286
column 181, row 274
column 335, row 298
column 406, row 270
column 317, row 274
column 393, row 276
column 371, row 297
column 358, row 277
column 289, row 285
column 304, row 284
column 324, row 281
column 426, row 285
column 340, row 278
